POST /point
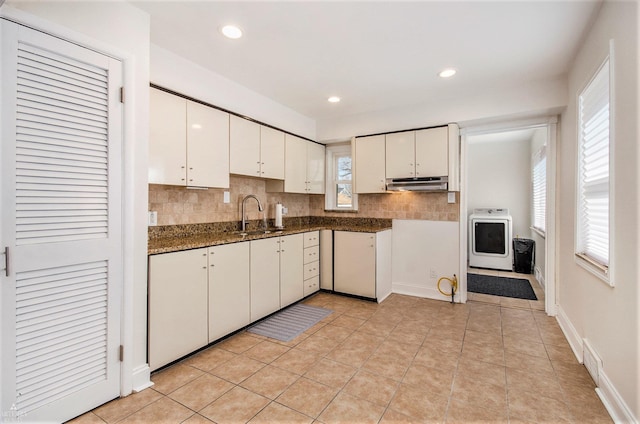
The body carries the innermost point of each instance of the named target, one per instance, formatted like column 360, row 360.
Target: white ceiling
column 375, row 55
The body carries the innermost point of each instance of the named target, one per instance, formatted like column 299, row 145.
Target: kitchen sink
column 256, row 232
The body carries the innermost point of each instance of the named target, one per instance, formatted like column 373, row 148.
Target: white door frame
column 550, row 123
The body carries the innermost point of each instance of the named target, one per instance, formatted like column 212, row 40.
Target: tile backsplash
column 179, row 205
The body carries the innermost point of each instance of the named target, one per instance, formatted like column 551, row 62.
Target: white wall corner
column 539, row 277
column 613, row 402
column 571, row 334
column 141, row 378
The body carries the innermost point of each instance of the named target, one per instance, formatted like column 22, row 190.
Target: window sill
column 603, row 272
column 539, row 232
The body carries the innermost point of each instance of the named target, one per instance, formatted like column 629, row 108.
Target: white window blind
column 593, row 170
column 539, row 179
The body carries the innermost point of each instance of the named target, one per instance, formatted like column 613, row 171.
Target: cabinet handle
column 182, row 167
column 417, row 164
column 204, row 267
column 258, row 162
column 190, row 179
column 212, row 265
column 282, row 250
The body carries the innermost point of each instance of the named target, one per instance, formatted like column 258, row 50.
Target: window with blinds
column 593, row 171
column 539, row 191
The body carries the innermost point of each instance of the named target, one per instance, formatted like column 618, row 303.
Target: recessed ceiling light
column 447, row 73
column 333, row 99
column 231, row 31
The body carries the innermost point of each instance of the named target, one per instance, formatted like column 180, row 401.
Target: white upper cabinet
column 167, row 139
column 207, row 146
column 315, row 168
column 369, row 160
column 400, row 154
column 244, row 141
column 271, row 153
column 422, row 153
column 303, row 167
column 432, row 152
column 256, row 150
column 189, row 142
column 295, row 165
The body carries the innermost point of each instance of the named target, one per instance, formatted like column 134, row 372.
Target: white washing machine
column 490, row 239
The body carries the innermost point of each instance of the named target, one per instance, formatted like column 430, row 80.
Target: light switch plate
column 153, row 218
column 227, row 197
column 451, row 198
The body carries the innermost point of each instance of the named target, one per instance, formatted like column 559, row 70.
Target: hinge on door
column 121, row 94
column 121, row 353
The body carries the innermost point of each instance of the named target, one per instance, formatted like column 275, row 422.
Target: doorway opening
column 501, row 170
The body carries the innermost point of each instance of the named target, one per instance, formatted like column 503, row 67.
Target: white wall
column 178, row 74
column 539, row 98
column 419, row 247
column 499, row 176
column 119, row 29
column 588, row 307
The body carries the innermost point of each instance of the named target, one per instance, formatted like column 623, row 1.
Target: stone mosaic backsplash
column 179, row 205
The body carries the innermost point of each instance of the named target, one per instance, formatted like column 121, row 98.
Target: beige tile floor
column 406, row 360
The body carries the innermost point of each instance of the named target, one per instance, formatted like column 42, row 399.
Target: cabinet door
column 354, row 263
column 400, row 155
column 432, row 152
column 229, row 303
column 271, row 153
column 315, row 168
column 370, row 164
column 326, row 259
column 167, row 138
column 244, row 147
column 291, row 269
column 207, row 146
column 265, row 277
column 177, row 305
column 295, row 165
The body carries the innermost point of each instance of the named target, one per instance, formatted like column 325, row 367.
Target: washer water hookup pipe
column 454, row 286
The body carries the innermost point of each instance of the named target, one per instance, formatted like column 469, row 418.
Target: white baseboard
column 142, row 378
column 420, row 291
column 571, row 334
column 616, row 406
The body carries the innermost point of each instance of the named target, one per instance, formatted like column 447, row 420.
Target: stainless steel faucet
column 244, row 201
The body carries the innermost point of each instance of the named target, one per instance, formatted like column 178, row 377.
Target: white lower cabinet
column 201, row 295
column 311, row 262
column 229, row 305
column 265, row 277
column 177, row 305
column 291, row 271
column 362, row 263
column 326, row 259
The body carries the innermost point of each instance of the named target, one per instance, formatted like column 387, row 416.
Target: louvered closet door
column 61, row 207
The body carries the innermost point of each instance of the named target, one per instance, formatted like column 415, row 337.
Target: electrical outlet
column 153, row 218
column 227, row 197
column 433, row 273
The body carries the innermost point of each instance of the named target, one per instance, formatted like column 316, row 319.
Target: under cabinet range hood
column 418, row 184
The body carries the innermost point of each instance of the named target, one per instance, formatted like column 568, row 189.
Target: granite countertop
column 174, row 241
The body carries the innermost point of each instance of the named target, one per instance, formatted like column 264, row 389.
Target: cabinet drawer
column 311, row 239
column 311, row 254
column 311, row 285
column 311, row 270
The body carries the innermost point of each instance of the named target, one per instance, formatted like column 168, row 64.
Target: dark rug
column 500, row 286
